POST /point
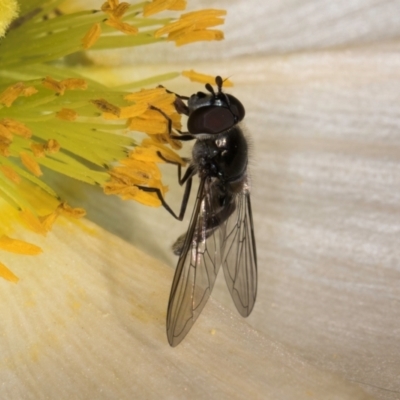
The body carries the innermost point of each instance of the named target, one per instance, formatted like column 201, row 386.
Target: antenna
column 219, row 82
column 210, row 89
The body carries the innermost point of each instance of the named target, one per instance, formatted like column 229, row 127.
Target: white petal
column 87, row 320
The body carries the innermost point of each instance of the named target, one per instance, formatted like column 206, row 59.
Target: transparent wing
column 239, row 259
column 197, row 268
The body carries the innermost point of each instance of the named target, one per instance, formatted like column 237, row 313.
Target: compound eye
column 236, row 107
column 211, row 119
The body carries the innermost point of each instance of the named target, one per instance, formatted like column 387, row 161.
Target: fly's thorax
column 223, row 156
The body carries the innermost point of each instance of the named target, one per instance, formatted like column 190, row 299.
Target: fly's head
column 214, row 112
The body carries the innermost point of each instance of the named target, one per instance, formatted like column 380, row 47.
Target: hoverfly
column 221, row 228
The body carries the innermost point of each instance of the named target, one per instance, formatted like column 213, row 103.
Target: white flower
column 319, row 83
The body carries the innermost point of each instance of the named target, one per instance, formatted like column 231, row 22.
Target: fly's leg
column 189, row 171
column 188, row 179
column 180, row 106
column 183, row 136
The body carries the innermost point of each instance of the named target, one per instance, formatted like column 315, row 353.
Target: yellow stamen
column 16, row 127
column 132, row 193
column 146, row 154
column 139, row 169
column 30, row 164
column 145, row 95
column 135, row 172
column 133, row 111
column 166, row 139
column 158, row 98
column 48, row 221
column 178, row 5
column 6, row 274
column 10, row 174
column 33, row 222
column 206, row 14
column 192, row 27
column 10, row 94
column 4, row 149
column 122, row 26
column 109, row 5
column 157, row 6
column 119, row 188
column 5, row 134
column 142, row 169
column 153, row 122
column 68, row 211
column 74, row 83
column 52, row 146
column 53, row 84
column 129, row 181
column 37, row 149
column 106, row 107
column 203, row 78
column 29, row 91
column 127, row 112
column 18, row 246
column 193, row 21
column 148, row 125
column 148, row 150
column 105, row 7
column 67, row 114
column 198, row 36
column 32, row 198
column 143, row 117
column 92, row 36
column 120, row 10
column 165, row 102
